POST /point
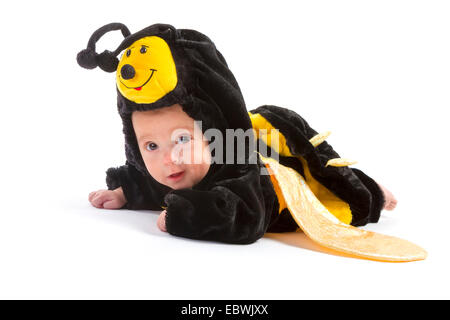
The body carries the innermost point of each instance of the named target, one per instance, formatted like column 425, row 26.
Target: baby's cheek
column 206, row 155
column 155, row 171
column 200, row 172
column 201, row 153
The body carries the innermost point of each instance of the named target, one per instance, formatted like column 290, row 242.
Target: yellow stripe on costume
column 336, row 206
column 276, row 187
column 264, row 131
column 340, row 209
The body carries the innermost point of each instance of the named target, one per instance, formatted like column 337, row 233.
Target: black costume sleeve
column 136, row 188
column 235, row 208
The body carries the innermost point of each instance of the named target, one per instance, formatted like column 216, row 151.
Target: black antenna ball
column 87, row 58
column 107, row 61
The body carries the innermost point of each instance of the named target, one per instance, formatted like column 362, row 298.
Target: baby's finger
column 97, row 202
column 103, row 196
column 92, row 194
column 110, row 204
column 100, row 198
column 161, row 222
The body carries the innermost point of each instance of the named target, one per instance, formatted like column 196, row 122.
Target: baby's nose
column 127, row 72
column 172, row 155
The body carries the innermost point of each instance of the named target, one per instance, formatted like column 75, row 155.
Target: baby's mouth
column 176, row 176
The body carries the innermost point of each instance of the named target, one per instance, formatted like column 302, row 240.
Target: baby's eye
column 184, row 139
column 151, row 146
column 143, row 49
column 128, row 52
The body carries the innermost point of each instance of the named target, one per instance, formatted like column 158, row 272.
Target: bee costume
column 310, row 187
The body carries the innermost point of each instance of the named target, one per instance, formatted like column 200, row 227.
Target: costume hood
column 161, row 66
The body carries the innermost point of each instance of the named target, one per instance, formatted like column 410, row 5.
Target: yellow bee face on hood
column 146, row 71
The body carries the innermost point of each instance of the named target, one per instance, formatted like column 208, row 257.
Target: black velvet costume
column 234, row 203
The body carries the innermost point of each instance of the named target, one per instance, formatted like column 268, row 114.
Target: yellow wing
column 325, row 229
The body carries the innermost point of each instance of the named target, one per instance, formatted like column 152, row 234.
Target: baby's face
column 172, row 146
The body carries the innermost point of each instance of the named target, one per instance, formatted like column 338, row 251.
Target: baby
column 165, row 79
column 169, row 140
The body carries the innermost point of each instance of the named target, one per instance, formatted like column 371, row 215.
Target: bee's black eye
column 128, row 52
column 143, row 49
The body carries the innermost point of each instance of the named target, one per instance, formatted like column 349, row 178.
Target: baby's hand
column 108, row 199
column 162, row 221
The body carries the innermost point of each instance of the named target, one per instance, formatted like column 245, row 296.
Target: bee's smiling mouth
column 139, row 87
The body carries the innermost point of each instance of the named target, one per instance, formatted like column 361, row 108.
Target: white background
column 375, row 73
